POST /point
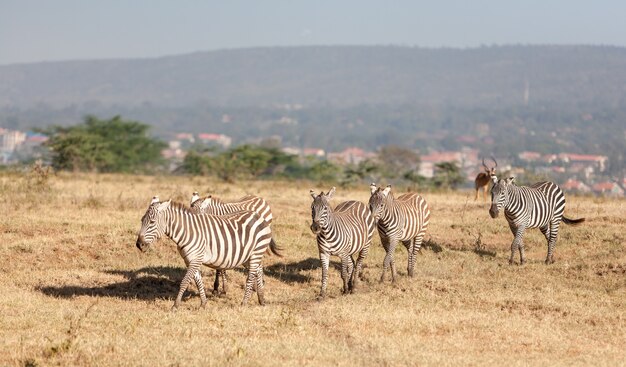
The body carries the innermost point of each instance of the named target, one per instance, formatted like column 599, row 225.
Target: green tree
column 448, row 175
column 396, row 161
column 112, row 145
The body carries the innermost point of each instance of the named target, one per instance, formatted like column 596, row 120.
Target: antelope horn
column 494, row 161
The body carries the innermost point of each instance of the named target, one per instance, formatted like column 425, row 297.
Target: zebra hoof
column 511, row 262
column 522, row 262
column 549, row 261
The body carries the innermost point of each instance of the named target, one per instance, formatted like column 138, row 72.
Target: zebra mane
column 180, row 207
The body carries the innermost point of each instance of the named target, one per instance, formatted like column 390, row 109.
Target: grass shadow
column 148, row 283
column 291, row 272
column 483, row 252
column 432, row 245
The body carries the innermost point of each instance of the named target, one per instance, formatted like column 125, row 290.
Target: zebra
column 540, row 205
column 344, row 231
column 213, row 205
column 403, row 219
column 217, row 241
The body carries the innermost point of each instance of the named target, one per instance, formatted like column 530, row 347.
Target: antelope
column 483, row 179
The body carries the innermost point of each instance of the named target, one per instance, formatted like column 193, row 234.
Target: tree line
column 118, row 145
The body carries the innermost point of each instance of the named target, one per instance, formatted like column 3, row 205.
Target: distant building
column 317, row 152
column 218, row 139
column 575, row 185
column 350, row 155
column 608, row 188
column 529, row 156
column 597, row 161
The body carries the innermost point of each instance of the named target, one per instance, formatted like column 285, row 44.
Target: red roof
column 584, row 157
column 209, row 136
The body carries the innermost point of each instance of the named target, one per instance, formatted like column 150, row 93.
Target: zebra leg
column 392, row 250
column 346, row 264
column 411, row 262
column 325, row 259
column 387, row 261
column 551, row 237
column 351, row 269
column 192, row 268
column 259, row 285
column 517, row 244
column 358, row 268
column 417, row 246
column 252, row 271
column 216, row 283
column 224, row 279
column 200, row 284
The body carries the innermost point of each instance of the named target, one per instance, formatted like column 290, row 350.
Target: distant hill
column 338, row 76
column 499, row 100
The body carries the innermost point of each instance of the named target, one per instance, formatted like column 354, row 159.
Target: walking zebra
column 342, row 232
column 403, row 219
column 220, row 242
column 538, row 206
column 216, row 206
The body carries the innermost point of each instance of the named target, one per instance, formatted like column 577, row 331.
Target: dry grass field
column 76, row 291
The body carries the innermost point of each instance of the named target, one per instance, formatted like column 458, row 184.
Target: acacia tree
column 112, row 145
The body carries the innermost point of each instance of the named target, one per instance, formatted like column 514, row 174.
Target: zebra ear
column 387, row 190
column 205, row 203
column 372, row 187
column 155, row 199
column 331, row 193
column 194, row 197
column 511, row 179
column 164, row 205
column 312, row 194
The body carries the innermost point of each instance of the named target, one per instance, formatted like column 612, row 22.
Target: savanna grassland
column 76, row 291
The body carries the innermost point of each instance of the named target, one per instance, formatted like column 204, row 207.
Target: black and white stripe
column 216, row 206
column 402, row 219
column 220, row 242
column 343, row 231
column 538, row 206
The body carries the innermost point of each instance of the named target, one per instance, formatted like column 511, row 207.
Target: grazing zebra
column 344, row 231
column 538, row 206
column 217, row 241
column 216, row 206
column 404, row 219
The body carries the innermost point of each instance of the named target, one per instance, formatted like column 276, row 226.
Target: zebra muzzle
column 493, row 211
column 141, row 245
column 315, row 228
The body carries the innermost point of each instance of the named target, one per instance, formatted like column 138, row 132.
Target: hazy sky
column 32, row 31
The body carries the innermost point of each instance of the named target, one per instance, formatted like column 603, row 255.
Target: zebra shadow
column 149, row 283
column 297, row 271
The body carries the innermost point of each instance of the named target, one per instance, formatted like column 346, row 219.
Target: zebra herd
column 225, row 235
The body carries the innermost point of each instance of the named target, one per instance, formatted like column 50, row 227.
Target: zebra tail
column 572, row 222
column 274, row 249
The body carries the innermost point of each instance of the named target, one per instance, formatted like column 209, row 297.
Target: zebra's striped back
column 531, row 206
column 345, row 230
column 402, row 218
column 216, row 206
column 218, row 241
column 537, row 206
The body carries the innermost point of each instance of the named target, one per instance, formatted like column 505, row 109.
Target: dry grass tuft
column 78, row 292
